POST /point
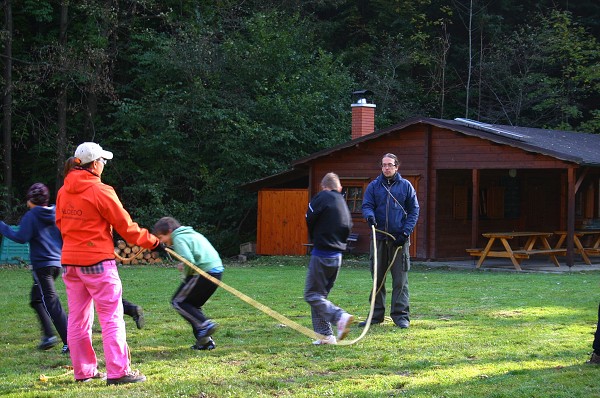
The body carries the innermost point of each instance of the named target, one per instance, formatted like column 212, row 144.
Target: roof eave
column 453, row 127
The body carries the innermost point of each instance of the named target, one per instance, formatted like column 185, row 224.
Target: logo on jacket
column 70, row 210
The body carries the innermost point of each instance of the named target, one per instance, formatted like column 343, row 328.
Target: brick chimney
column 363, row 114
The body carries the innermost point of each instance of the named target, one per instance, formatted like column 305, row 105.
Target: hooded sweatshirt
column 38, row 228
column 195, row 248
column 86, row 212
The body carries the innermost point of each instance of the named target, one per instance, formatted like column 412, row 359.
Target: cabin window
column 353, row 189
column 354, row 197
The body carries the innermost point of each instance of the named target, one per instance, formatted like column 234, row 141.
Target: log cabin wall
column 531, row 200
column 517, row 189
column 451, row 157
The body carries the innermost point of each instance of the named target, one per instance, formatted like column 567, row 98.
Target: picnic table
column 587, row 235
column 537, row 243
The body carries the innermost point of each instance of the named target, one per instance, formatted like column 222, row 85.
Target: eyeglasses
column 104, row 161
column 388, row 165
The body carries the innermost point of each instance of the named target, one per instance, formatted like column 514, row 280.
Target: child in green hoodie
column 194, row 290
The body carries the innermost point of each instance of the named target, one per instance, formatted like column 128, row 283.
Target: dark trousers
column 320, row 278
column 191, row 295
column 46, row 303
column 399, row 309
column 129, row 308
column 596, row 344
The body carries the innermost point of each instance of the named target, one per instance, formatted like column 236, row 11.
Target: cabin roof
column 579, row 148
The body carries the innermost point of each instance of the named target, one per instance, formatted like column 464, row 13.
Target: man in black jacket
column 329, row 224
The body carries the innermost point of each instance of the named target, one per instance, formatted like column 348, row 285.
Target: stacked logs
column 131, row 254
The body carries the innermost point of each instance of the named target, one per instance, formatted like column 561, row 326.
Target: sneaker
column 65, row 349
column 403, row 323
column 97, row 376
column 343, row 325
column 207, row 329
column 373, row 322
column 138, row 318
column 594, row 359
column 327, row 340
column 133, row 376
column 48, row 342
column 207, row 344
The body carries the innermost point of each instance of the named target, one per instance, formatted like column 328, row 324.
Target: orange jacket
column 86, row 212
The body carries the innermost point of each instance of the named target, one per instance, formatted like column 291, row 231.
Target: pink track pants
column 100, row 285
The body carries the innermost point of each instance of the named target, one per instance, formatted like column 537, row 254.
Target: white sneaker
column 343, row 325
column 327, row 340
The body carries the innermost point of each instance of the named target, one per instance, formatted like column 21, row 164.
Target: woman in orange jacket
column 87, row 210
column 133, row 310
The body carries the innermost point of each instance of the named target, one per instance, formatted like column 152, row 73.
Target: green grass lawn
column 473, row 334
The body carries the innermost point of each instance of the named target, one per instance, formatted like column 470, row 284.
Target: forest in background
column 196, row 98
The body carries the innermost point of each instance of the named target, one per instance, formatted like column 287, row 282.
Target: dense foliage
column 196, row 98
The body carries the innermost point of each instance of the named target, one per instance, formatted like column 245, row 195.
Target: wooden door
column 281, row 228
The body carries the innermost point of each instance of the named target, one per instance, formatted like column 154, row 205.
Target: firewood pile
column 132, row 256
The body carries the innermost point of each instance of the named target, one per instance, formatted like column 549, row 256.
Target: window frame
column 354, row 182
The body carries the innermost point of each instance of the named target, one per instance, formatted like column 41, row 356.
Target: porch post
column 570, row 214
column 428, row 221
column 475, row 207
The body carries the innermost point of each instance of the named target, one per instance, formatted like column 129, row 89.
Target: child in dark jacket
column 195, row 290
column 37, row 228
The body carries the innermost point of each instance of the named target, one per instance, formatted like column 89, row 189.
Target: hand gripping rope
column 281, row 318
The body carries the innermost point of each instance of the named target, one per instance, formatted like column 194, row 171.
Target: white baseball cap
column 90, row 151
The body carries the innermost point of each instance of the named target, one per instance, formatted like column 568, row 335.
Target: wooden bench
column 351, row 242
column 308, row 247
column 475, row 252
column 579, row 237
column 531, row 247
column 527, row 253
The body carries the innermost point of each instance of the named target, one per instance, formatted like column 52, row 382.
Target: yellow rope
column 286, row 321
column 44, row 379
column 391, row 262
column 281, row 318
column 373, row 293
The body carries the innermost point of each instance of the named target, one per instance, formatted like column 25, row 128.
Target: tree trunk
column 92, row 109
column 7, row 107
column 61, row 142
column 481, row 27
column 445, row 48
column 470, row 65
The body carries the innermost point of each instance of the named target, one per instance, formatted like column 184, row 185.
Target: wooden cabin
column 470, row 178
